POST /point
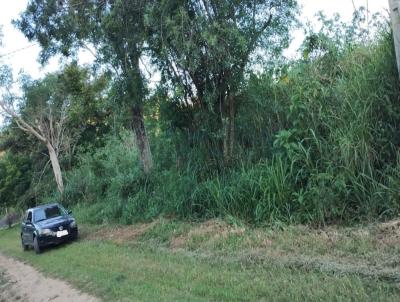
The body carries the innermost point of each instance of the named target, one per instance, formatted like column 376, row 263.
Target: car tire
column 24, row 246
column 36, row 246
column 74, row 237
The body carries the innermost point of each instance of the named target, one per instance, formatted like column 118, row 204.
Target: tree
column 43, row 115
column 203, row 47
column 15, row 178
column 115, row 28
column 90, row 112
column 73, row 100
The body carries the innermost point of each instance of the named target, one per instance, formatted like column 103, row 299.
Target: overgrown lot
column 313, row 141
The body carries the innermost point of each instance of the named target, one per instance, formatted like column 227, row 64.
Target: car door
column 28, row 228
column 23, row 227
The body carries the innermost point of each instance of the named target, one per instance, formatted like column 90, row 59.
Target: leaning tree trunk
column 56, row 167
column 28, row 128
column 142, row 140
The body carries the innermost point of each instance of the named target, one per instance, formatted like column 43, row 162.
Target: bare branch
column 23, row 125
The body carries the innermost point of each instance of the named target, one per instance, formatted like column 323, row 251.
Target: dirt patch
column 260, row 240
column 210, row 227
column 120, row 234
column 21, row 282
column 388, row 233
column 210, row 231
column 178, row 242
column 7, row 293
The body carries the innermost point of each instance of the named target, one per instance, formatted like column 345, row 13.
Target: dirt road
column 21, row 282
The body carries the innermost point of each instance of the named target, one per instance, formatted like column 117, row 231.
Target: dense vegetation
column 308, row 141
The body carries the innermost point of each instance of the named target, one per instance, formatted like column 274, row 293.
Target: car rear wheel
column 36, row 246
column 24, row 246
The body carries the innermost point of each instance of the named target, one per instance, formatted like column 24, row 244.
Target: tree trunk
column 56, row 167
column 8, row 219
column 226, row 140
column 142, row 140
column 394, row 6
column 231, row 125
column 229, row 131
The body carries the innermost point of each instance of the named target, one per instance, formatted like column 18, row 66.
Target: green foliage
column 162, row 231
column 203, row 50
column 69, row 108
column 315, row 140
column 108, row 175
column 343, row 133
column 15, row 178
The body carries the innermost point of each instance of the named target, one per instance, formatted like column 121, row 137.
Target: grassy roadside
column 175, row 261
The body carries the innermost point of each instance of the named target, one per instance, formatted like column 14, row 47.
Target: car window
column 29, row 217
column 40, row 215
column 47, row 213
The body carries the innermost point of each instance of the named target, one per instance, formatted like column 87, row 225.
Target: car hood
column 54, row 222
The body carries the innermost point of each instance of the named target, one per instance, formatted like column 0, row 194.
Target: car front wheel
column 24, row 246
column 74, row 236
column 36, row 246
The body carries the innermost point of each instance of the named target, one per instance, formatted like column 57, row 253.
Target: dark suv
column 47, row 225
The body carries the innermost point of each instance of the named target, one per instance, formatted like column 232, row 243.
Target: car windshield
column 47, row 213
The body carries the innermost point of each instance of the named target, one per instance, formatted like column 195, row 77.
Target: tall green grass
column 317, row 145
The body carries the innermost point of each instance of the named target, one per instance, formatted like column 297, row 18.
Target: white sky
column 22, row 55
column 344, row 7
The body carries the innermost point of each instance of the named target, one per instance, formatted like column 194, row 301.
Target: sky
column 21, row 55
column 16, row 50
column 343, row 7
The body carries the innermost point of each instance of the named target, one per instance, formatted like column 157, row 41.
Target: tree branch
column 23, row 125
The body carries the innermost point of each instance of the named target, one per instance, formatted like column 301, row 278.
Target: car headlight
column 73, row 224
column 45, row 232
